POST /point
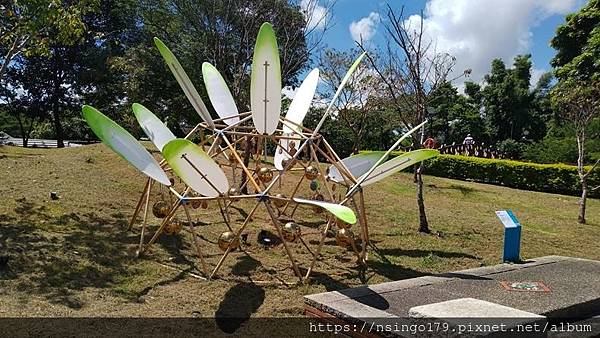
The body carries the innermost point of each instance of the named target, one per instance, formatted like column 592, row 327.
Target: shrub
column 512, row 148
column 553, row 178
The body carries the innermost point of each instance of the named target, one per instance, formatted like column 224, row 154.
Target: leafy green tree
column 507, row 99
column 66, row 75
column 220, row 32
column 30, row 27
column 577, row 42
column 512, row 109
column 23, row 100
column 455, row 115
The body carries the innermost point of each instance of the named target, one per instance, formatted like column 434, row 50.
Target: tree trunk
column 356, row 147
column 582, row 175
column 582, row 200
column 423, row 224
column 58, row 131
column 22, row 128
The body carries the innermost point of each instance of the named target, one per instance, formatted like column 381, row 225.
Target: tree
column 507, row 99
column 454, row 115
column 579, row 103
column 410, row 69
column 24, row 103
column 67, row 75
column 31, row 27
column 218, row 32
column 577, row 43
column 355, row 106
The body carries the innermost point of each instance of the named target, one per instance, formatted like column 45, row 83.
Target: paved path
column 574, row 291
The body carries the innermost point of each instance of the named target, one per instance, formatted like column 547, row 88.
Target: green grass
column 74, row 257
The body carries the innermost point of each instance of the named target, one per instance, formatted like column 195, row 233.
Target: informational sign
column 512, row 236
column 508, row 219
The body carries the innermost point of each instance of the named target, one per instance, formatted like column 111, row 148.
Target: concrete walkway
column 573, row 291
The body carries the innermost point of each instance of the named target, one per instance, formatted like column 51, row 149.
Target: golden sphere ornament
column 160, row 209
column 344, row 237
column 228, row 240
column 233, row 192
column 265, row 174
column 173, row 227
column 196, row 204
column 231, row 157
column 311, row 172
column 291, row 231
column 279, row 200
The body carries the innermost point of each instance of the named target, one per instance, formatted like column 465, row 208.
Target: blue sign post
column 512, row 236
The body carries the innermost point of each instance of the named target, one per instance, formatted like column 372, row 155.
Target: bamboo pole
column 237, row 237
column 195, row 240
column 285, row 244
column 139, row 204
column 316, row 255
column 144, row 222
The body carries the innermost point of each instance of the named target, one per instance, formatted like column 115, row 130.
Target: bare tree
column 410, row 69
column 579, row 103
column 354, row 106
column 319, row 21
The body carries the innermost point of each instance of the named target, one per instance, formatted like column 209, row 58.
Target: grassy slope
column 74, row 257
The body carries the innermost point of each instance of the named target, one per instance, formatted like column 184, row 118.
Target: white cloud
column 477, row 31
column 365, row 28
column 536, row 74
column 316, row 16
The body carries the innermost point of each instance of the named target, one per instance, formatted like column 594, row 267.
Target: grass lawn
column 74, row 257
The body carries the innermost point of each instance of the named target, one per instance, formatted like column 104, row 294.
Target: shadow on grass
column 424, row 253
column 311, row 224
column 393, row 271
column 327, row 281
column 238, row 304
column 57, row 256
column 174, row 246
column 245, row 265
column 463, row 189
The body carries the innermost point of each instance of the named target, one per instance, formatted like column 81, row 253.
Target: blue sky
column 474, row 31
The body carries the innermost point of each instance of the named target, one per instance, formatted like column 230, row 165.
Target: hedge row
column 553, row 178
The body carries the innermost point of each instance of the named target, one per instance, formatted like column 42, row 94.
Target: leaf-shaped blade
column 219, row 94
column 184, row 81
column 301, row 102
column 265, row 81
column 124, row 144
column 156, row 131
column 358, row 165
column 399, row 163
column 198, row 170
column 340, row 211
